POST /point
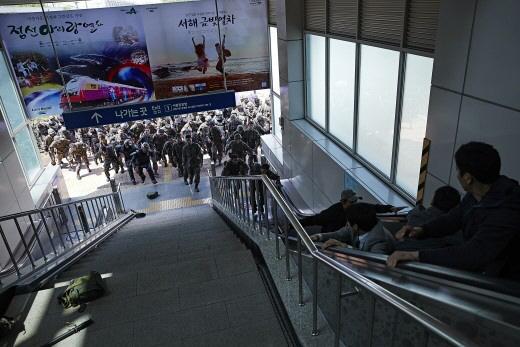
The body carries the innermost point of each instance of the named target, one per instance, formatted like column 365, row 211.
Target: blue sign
column 162, row 108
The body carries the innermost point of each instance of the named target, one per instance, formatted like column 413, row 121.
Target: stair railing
column 39, row 239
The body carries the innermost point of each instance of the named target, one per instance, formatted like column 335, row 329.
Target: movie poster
column 188, row 56
column 102, row 53
column 118, row 55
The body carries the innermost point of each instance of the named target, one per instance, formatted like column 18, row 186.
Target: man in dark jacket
column 335, row 217
column 489, row 216
column 234, row 167
column 141, row 160
column 127, row 149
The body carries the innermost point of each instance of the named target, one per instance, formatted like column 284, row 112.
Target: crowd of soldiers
column 179, row 140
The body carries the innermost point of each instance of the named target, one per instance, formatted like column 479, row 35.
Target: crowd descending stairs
column 176, row 278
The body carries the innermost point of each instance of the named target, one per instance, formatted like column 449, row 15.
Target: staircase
column 176, row 278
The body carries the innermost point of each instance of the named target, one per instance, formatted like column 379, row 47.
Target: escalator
column 482, row 310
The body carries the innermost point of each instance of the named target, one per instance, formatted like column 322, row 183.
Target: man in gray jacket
column 364, row 232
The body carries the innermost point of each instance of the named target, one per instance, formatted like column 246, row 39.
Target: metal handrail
column 429, row 322
column 57, row 230
column 35, row 211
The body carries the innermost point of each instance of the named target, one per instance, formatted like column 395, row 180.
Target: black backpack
column 82, row 290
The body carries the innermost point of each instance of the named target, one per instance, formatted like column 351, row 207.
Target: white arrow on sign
column 97, row 116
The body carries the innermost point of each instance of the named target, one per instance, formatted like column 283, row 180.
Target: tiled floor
column 176, row 278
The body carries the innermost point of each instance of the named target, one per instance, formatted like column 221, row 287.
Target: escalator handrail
column 498, row 285
column 426, row 320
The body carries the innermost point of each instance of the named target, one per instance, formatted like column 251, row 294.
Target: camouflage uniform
column 233, row 123
column 192, row 162
column 47, row 141
column 61, row 146
column 79, row 153
column 235, row 169
column 111, row 158
column 127, row 149
column 240, row 149
column 252, row 138
column 137, row 129
column 217, row 147
column 174, row 150
column 148, row 138
column 158, row 141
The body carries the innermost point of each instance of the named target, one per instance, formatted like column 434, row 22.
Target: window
column 342, row 75
column 26, row 151
column 275, row 71
column 315, row 68
column 414, row 114
column 377, row 99
column 9, row 98
column 276, row 116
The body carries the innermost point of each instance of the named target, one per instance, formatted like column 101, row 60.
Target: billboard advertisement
column 120, row 55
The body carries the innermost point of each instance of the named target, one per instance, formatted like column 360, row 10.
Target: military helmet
column 240, row 128
column 145, row 145
column 127, row 142
column 160, row 131
column 238, row 137
column 52, row 132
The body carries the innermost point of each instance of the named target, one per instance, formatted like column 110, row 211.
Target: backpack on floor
column 82, row 290
column 152, row 195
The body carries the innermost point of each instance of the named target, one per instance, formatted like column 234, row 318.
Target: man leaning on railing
column 489, row 216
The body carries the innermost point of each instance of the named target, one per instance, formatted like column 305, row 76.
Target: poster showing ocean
column 120, row 55
column 102, row 59
column 189, row 57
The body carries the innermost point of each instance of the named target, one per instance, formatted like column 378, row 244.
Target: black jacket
column 141, row 158
column 491, row 232
column 335, row 217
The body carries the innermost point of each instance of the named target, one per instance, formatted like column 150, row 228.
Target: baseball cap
column 350, row 195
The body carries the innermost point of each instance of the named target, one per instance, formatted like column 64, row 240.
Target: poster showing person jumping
column 189, row 57
column 119, row 55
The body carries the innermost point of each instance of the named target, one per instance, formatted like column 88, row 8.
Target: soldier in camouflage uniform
column 192, row 162
column 69, row 135
column 252, row 138
column 158, row 141
column 111, row 159
column 239, row 148
column 141, row 160
column 47, row 141
column 137, row 129
column 233, row 123
column 148, row 138
column 79, row 153
column 61, row 146
column 174, row 150
column 217, row 145
column 234, row 167
column 127, row 149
